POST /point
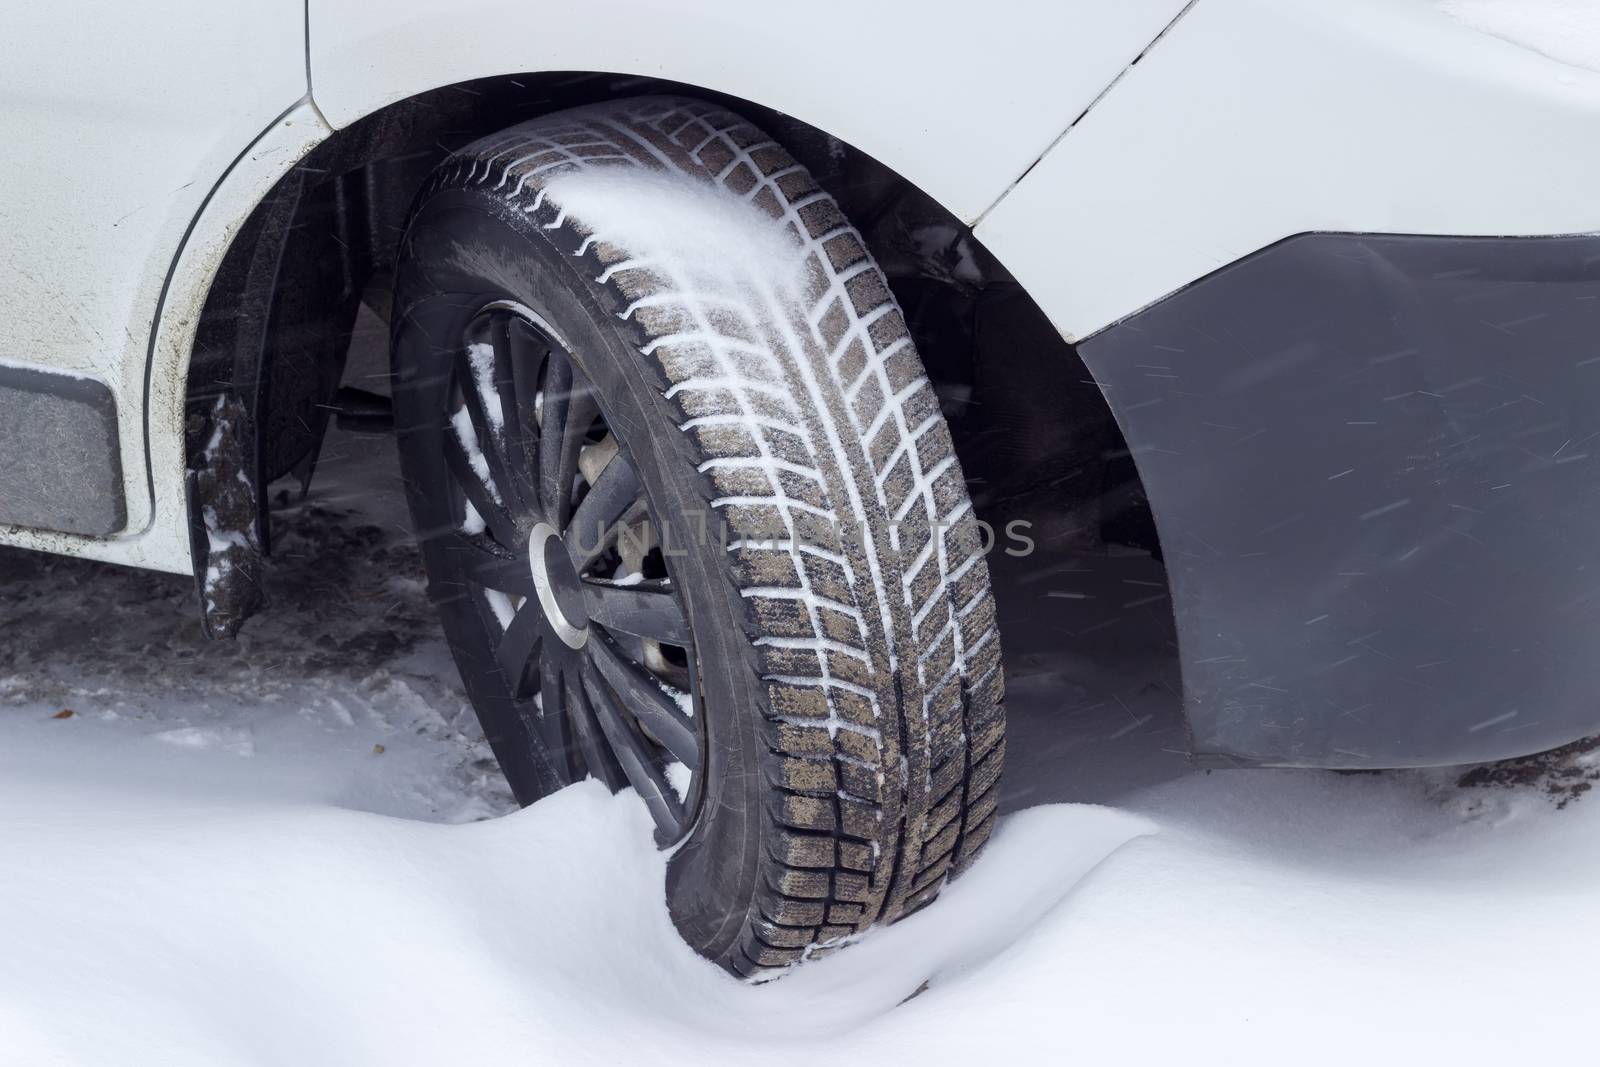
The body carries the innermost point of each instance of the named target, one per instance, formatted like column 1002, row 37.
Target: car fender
column 958, row 101
column 1254, row 120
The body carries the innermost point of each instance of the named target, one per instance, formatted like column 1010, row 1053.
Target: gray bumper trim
column 60, row 458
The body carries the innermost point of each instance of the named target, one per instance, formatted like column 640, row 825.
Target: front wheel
column 693, row 521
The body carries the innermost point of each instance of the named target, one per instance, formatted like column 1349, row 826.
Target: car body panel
column 161, row 540
column 118, row 123
column 363, row 58
column 960, row 100
column 1254, row 120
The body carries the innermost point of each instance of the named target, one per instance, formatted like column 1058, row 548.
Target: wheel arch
column 323, row 238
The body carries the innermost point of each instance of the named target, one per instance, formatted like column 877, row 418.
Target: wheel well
column 1033, row 431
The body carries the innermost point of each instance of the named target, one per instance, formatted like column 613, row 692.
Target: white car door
column 116, row 122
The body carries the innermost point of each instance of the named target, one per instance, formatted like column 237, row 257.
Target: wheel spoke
column 554, row 723
column 518, row 647
column 612, row 496
column 526, row 353
column 482, row 565
column 567, row 412
column 483, row 373
column 477, row 491
column 644, row 610
column 592, row 744
column 630, row 750
column 484, row 427
column 513, row 372
column 647, row 699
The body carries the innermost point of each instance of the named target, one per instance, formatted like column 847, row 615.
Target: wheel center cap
column 557, row 585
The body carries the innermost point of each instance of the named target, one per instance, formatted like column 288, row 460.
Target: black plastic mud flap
column 222, row 521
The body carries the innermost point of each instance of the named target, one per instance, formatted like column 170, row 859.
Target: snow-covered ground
column 295, row 849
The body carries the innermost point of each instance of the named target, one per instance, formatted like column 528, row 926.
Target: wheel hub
column 557, row 585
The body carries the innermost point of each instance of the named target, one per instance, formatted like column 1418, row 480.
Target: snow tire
column 841, row 609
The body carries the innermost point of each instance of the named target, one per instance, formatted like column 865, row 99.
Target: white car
column 1319, row 281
